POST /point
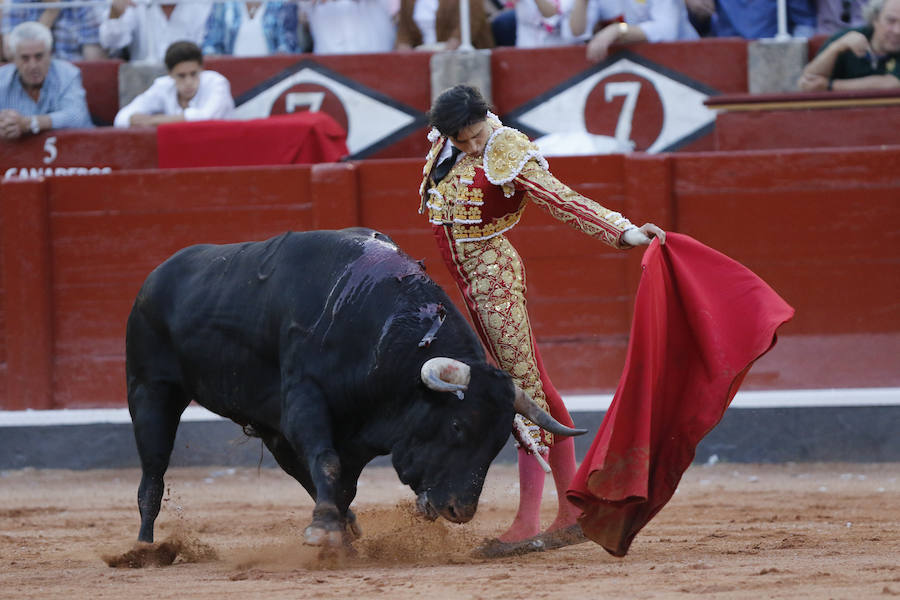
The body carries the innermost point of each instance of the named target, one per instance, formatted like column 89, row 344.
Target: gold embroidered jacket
column 484, row 196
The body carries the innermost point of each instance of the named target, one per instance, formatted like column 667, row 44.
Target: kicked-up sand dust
column 791, row 531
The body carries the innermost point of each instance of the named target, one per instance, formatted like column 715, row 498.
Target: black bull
column 334, row 347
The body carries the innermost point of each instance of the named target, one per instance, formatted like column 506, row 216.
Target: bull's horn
column 528, row 408
column 444, row 374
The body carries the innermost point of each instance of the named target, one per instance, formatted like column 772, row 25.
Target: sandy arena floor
column 731, row 531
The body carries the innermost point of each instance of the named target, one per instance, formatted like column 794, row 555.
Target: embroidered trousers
column 490, row 275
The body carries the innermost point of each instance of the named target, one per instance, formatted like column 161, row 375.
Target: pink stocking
column 531, row 486
column 562, row 462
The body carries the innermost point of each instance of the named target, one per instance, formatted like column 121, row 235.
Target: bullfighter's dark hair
column 179, row 52
column 457, row 108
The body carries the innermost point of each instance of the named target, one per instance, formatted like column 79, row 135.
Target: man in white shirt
column 146, row 29
column 629, row 22
column 350, row 26
column 187, row 93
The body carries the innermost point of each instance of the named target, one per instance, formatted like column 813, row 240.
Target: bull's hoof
column 319, row 536
column 145, row 554
column 354, row 531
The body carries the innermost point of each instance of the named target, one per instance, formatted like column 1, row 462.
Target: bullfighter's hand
column 642, row 236
column 522, row 435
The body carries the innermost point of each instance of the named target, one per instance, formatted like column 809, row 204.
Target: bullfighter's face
column 32, row 59
column 187, row 80
column 473, row 138
column 886, row 37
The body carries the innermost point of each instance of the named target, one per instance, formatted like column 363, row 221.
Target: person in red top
column 479, row 175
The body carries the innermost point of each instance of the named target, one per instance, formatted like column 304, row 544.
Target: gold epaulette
column 506, row 153
column 437, row 143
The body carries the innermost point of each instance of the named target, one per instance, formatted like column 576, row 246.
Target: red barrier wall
column 806, row 120
column 819, row 226
column 78, row 152
column 108, row 232
column 809, row 128
column 824, row 218
column 101, row 83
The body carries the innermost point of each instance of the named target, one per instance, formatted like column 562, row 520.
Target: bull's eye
column 457, row 428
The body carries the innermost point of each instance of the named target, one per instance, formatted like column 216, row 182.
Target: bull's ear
column 528, row 408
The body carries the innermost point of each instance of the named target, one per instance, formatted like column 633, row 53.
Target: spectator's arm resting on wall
column 73, row 103
column 817, row 75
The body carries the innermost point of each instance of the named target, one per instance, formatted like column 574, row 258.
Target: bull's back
column 203, row 279
column 244, row 294
column 210, row 319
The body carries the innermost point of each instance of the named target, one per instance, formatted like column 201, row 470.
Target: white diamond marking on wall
column 683, row 110
column 368, row 120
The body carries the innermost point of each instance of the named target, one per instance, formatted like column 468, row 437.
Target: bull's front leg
column 306, row 424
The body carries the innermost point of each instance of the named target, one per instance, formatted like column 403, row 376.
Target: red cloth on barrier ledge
column 700, row 321
column 296, row 138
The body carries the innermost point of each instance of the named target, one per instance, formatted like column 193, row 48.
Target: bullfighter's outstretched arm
column 568, row 206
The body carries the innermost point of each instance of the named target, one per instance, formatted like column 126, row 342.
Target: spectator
column 503, row 27
column 251, row 29
column 187, row 93
column 350, row 26
column 866, row 57
column 541, row 23
column 751, row 20
column 142, row 30
column 835, row 15
column 38, row 92
column 434, row 25
column 635, row 21
column 75, row 30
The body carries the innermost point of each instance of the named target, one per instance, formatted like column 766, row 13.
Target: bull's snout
column 453, row 511
column 459, row 513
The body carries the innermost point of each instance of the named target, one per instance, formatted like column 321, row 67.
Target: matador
column 478, row 178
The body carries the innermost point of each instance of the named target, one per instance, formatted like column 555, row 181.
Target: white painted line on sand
column 839, row 397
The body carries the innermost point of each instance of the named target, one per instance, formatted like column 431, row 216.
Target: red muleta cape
column 700, row 321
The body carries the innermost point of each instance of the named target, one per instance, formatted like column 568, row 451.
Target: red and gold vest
column 483, row 196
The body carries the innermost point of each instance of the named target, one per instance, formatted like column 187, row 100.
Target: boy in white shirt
column 187, row 93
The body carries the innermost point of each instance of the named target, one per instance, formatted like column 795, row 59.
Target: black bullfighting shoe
column 494, row 548
column 568, row 536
